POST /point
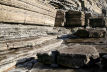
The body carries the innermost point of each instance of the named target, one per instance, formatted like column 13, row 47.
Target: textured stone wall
column 27, row 11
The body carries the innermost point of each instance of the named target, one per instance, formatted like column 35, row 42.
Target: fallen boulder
column 77, row 56
column 90, row 33
column 82, row 33
column 45, row 58
column 48, row 58
column 74, row 57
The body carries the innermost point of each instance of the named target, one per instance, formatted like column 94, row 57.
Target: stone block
column 77, row 56
column 97, row 22
column 45, row 58
column 82, row 33
column 75, row 19
column 74, row 57
column 90, row 33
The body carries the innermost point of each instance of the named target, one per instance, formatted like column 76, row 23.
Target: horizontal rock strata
column 27, row 11
column 11, row 57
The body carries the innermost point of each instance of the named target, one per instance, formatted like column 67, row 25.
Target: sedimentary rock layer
column 27, row 11
column 93, row 6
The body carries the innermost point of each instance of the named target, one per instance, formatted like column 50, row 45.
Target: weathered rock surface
column 75, row 19
column 87, row 17
column 9, row 58
column 97, row 22
column 26, row 63
column 92, row 6
column 82, row 33
column 77, row 56
column 97, row 33
column 45, row 58
column 27, row 11
column 20, row 41
column 60, row 18
column 90, row 33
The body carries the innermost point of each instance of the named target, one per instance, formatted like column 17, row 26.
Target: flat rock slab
column 77, row 56
column 80, row 49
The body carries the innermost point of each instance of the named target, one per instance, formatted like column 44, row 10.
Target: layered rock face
column 93, row 6
column 27, row 11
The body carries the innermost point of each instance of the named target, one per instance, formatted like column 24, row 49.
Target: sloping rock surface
column 93, row 6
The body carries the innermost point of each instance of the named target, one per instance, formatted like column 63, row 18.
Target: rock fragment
column 77, row 56
column 74, row 57
column 45, row 58
column 75, row 19
column 26, row 63
column 97, row 22
column 90, row 33
column 82, row 33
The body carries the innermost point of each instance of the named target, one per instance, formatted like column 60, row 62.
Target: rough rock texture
column 82, row 33
column 97, row 22
column 20, row 37
column 90, row 33
column 75, row 19
column 87, row 17
column 77, row 56
column 27, row 11
column 60, row 18
column 45, row 58
column 93, row 6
